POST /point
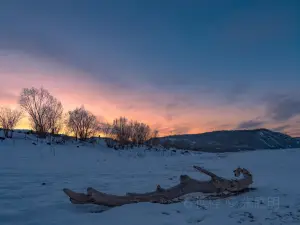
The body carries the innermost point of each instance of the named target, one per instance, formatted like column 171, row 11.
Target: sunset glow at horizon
column 181, row 67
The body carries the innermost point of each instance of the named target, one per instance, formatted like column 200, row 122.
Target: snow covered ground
column 33, row 176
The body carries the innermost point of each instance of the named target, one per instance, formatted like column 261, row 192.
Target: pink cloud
column 165, row 111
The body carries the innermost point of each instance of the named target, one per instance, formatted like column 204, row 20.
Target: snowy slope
column 32, row 178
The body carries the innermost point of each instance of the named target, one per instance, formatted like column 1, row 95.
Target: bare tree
column 155, row 133
column 154, row 139
column 82, row 123
column 140, row 132
column 121, row 131
column 55, row 118
column 126, row 133
column 9, row 119
column 144, row 133
column 106, row 129
column 45, row 111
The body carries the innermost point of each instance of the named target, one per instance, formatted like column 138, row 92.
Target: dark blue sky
column 199, row 55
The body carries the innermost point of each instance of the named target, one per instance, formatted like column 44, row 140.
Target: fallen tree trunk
column 186, row 186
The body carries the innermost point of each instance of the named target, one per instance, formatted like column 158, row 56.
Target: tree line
column 46, row 117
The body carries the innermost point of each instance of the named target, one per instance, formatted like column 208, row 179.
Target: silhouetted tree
column 126, row 133
column 140, row 132
column 154, row 139
column 121, row 131
column 45, row 111
column 82, row 123
column 9, row 119
column 106, row 129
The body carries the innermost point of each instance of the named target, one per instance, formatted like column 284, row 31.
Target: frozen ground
column 33, row 176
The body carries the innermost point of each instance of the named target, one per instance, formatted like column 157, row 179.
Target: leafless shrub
column 55, row 116
column 9, row 119
column 121, row 131
column 45, row 111
column 82, row 123
column 177, row 144
column 154, row 139
column 167, row 144
column 126, row 133
column 140, row 133
column 106, row 129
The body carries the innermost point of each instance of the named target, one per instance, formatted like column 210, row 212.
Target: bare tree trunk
column 187, row 185
column 11, row 133
column 6, row 132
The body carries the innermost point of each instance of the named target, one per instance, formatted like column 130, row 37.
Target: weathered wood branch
column 187, row 185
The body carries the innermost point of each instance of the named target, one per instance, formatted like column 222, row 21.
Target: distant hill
column 232, row 141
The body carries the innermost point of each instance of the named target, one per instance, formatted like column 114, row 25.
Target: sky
column 182, row 66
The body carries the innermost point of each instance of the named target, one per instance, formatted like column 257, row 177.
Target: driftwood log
column 187, row 185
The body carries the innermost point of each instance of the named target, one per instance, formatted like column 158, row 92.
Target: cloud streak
column 283, row 108
column 250, row 124
column 281, row 128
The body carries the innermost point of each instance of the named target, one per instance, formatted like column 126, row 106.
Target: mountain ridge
column 232, row 140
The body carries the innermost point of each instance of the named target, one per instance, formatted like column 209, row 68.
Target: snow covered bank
column 32, row 178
